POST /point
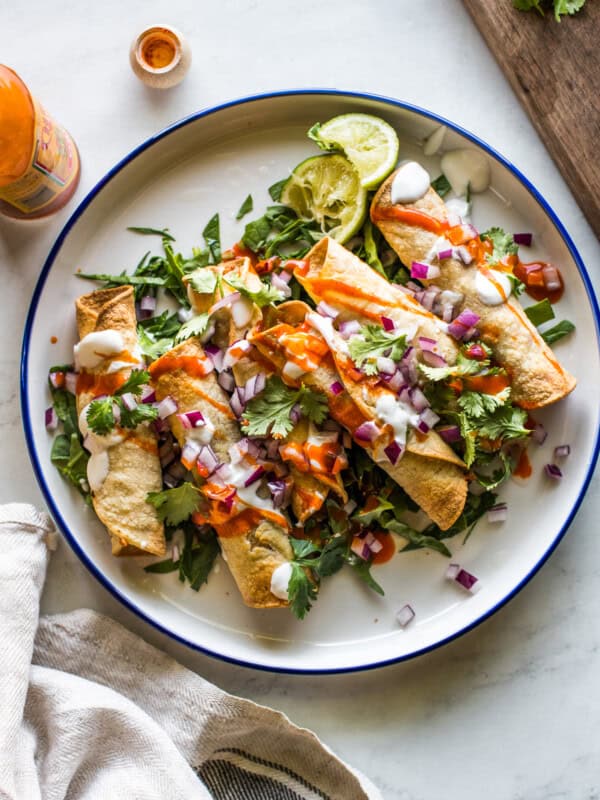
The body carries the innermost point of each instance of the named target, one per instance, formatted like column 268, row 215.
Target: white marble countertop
column 508, row 711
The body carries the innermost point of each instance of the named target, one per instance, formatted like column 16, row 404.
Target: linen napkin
column 89, row 711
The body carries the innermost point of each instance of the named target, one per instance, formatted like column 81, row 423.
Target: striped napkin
column 90, row 711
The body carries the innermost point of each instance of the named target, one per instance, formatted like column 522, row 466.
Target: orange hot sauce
column 39, row 162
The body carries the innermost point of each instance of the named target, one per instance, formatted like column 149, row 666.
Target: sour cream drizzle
column 492, row 287
column 280, row 580
column 396, row 414
column 98, row 447
column 96, row 346
column 410, row 183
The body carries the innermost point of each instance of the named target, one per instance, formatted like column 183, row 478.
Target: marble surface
column 508, row 711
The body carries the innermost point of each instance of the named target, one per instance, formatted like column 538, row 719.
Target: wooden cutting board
column 554, row 68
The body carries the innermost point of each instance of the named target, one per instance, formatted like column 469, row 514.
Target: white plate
column 179, row 179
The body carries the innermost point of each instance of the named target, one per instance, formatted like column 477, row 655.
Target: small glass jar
column 160, row 56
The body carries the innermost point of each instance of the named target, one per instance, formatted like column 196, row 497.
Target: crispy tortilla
column 430, row 472
column 134, row 466
column 252, row 556
column 537, row 379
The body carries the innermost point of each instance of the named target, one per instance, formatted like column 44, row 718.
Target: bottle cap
column 160, row 56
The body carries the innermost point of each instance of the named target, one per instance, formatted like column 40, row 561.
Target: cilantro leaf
column 503, row 244
column 463, row 366
column 176, row 505
column 245, row 208
column 144, row 412
column 269, row 412
column 134, row 383
column 101, row 416
column 373, row 341
column 196, row 326
column 302, row 591
column 162, row 567
column 203, row 281
column 441, row 185
column 212, row 237
column 417, row 539
column 197, row 559
column 540, row 312
column 478, row 404
column 562, row 328
column 153, row 348
column 507, row 422
column 263, row 297
column 562, row 7
column 65, row 406
column 363, row 570
column 375, row 514
column 527, row 5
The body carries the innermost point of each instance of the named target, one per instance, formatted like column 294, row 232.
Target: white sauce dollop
column 202, row 434
column 238, row 474
column 493, row 292
column 466, row 168
column 117, row 365
column 410, row 183
column 325, row 327
column 460, row 207
column 280, row 580
column 98, row 447
column 397, row 414
column 96, row 346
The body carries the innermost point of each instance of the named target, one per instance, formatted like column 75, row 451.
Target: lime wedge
column 368, row 142
column 327, row 189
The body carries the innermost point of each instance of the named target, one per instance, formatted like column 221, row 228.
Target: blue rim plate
column 322, row 656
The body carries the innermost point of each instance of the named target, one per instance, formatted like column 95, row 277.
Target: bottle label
column 53, row 167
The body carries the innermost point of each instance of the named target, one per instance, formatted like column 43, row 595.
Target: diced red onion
column 429, row 418
column 395, row 381
column 208, row 458
column 404, row 394
column 279, row 490
column 255, row 475
column 539, row 433
column 523, row 238
column 234, row 352
column 226, row 381
column 447, row 312
column 393, row 451
column 454, row 219
column 551, row 278
column 281, row 285
column 463, row 254
column 190, row 453
column 296, row 413
column 71, row 382
column 426, row 343
column 428, row 297
column 465, row 579
column 116, row 412
column 216, row 355
column 360, row 549
column 185, row 314
column 129, row 401
column 498, row 513
column 468, row 232
column 191, row 419
column 349, row 328
column 51, row 419
column 326, row 310
column 228, row 300
column 148, row 304
column 462, row 326
column 405, row 616
column 562, row 451
column 236, row 402
column 254, row 385
column 367, row 432
column 434, row 359
column 167, row 406
column 56, row 379
column 241, row 312
column 424, row 271
column 388, row 324
column 418, row 400
column 446, row 253
column 450, row 433
column 553, row 471
column 148, row 395
column 336, row 388
column 285, row 276
column 292, row 371
column 385, row 365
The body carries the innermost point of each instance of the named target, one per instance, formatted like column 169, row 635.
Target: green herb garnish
column 540, row 312
column 441, row 185
column 174, row 506
column 245, row 208
column 562, row 328
column 374, row 341
column 268, row 414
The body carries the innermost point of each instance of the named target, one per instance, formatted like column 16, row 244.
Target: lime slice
column 327, row 189
column 368, row 142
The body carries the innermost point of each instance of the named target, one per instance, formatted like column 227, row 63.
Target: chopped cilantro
column 463, row 366
column 561, row 7
column 503, row 244
column 263, row 297
column 203, row 281
column 176, row 505
column 198, row 554
column 268, row 414
column 134, row 383
column 373, row 341
column 196, row 326
column 143, row 412
column 245, row 208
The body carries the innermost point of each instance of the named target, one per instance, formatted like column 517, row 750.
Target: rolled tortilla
column 429, row 471
column 537, row 378
column 133, row 462
column 343, row 280
column 254, row 550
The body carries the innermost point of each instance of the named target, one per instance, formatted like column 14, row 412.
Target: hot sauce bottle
column 39, row 162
